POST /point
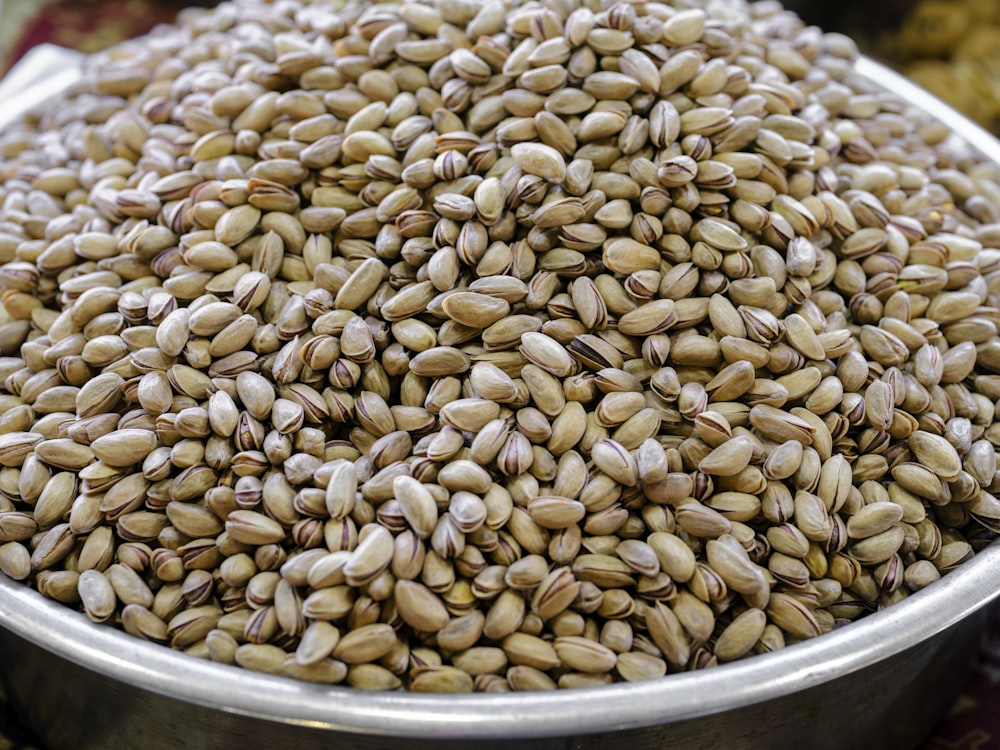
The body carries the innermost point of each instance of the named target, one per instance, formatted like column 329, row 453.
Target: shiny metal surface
column 880, row 682
column 44, row 72
column 963, row 128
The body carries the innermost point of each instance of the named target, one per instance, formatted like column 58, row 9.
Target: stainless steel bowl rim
column 70, row 635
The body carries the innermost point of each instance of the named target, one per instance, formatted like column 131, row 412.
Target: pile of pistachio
column 493, row 345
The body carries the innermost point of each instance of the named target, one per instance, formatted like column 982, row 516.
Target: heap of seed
column 492, row 346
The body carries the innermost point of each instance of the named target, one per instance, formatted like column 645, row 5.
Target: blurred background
column 85, row 25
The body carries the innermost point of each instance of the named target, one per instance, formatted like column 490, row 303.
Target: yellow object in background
column 952, row 48
column 933, row 29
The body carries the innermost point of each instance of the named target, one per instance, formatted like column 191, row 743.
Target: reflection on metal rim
column 974, row 135
column 70, row 635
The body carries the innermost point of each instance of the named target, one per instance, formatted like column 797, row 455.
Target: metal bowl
column 880, row 682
